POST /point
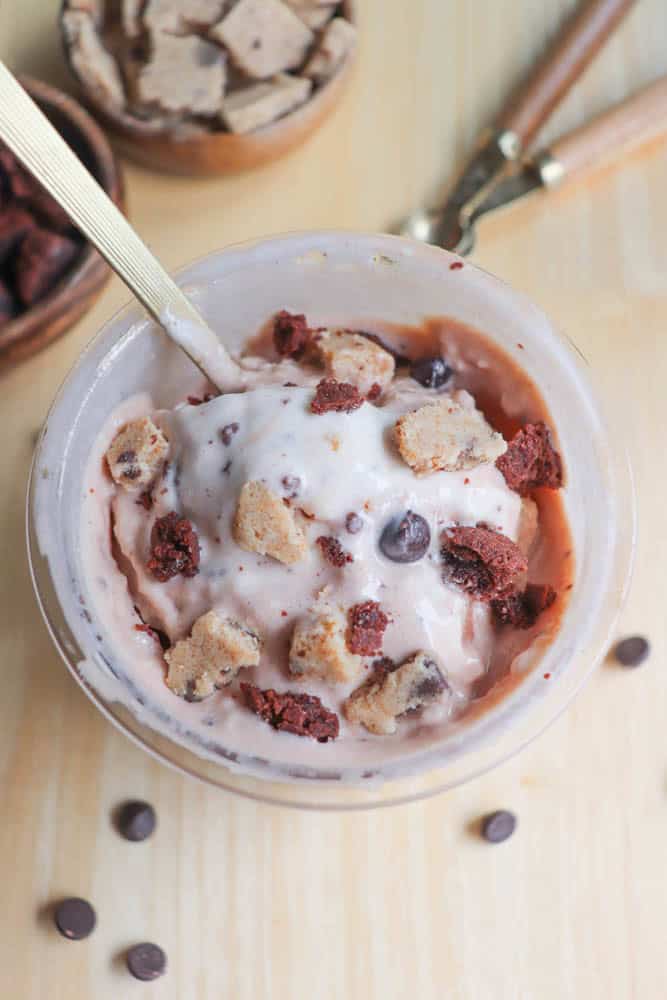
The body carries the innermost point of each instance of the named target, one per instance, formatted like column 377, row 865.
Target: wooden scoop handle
column 623, row 129
column 580, row 39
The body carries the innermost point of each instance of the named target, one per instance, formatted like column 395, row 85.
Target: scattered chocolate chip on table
column 75, row 918
column 498, row 826
column 633, row 651
column 146, row 961
column 136, row 820
column 354, row 523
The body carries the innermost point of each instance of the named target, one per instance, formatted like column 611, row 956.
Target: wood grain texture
column 256, row 903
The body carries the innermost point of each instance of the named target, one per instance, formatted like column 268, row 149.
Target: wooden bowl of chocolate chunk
column 49, row 275
column 210, row 86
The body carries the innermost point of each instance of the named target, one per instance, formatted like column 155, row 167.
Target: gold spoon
column 40, row 148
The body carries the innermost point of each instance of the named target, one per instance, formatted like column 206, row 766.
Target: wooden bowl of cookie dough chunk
column 210, row 86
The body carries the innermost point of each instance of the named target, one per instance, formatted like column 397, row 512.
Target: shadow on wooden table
column 43, row 713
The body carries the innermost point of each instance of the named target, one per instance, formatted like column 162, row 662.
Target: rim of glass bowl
column 478, row 747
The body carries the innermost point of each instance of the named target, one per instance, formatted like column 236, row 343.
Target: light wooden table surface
column 253, row 902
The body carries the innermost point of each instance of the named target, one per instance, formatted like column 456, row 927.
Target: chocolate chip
column 75, row 918
column 632, row 652
column 432, row 685
column 191, row 695
column 136, row 820
column 406, row 538
column 228, row 432
column 498, row 826
column 432, row 373
column 292, row 486
column 145, row 500
column 384, row 665
column 354, row 523
column 146, row 961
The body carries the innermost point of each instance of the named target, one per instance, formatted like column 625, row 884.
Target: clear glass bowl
column 348, row 279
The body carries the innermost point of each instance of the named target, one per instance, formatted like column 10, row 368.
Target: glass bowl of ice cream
column 380, row 568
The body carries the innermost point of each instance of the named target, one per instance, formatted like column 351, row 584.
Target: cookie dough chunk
column 381, row 700
column 337, row 43
column 184, row 75
column 350, row 357
column 449, row 434
column 254, row 107
column 319, row 648
column 136, row 454
column 265, row 524
column 263, row 37
column 204, row 13
column 315, row 15
column 161, row 15
column 92, row 63
column 180, row 15
column 213, row 655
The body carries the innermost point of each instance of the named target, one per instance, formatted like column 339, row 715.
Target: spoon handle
column 37, row 144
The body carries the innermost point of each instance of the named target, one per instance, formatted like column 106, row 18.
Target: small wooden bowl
column 210, row 153
column 75, row 293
